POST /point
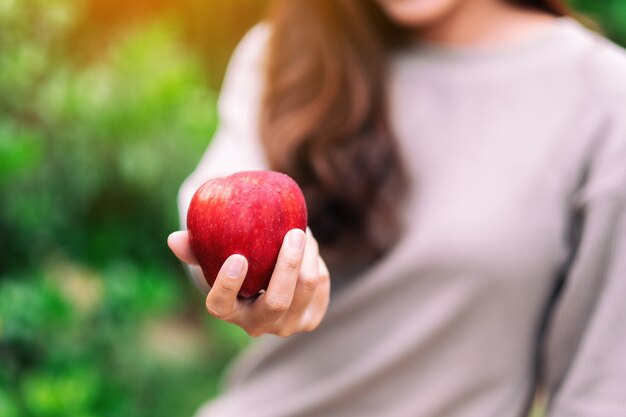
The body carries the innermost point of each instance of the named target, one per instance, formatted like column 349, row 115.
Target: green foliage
column 79, row 342
column 609, row 14
column 96, row 316
column 88, row 152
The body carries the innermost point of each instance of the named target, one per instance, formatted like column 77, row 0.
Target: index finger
column 179, row 244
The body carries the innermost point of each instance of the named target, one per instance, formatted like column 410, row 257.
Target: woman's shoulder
column 606, row 68
column 243, row 79
column 606, row 77
column 252, row 46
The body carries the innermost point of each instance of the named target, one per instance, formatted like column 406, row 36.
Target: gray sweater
column 511, row 273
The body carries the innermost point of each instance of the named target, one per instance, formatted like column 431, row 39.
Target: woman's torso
column 448, row 323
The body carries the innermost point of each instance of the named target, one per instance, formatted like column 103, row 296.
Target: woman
column 464, row 163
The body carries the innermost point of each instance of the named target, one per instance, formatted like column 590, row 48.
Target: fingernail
column 296, row 239
column 235, row 267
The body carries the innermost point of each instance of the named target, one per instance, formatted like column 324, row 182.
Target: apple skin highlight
column 246, row 213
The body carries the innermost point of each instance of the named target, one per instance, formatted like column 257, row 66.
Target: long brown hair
column 324, row 119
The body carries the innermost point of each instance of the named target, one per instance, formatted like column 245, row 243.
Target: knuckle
column 217, row 311
column 284, row 333
column 226, row 290
column 312, row 243
column 323, row 269
column 291, row 262
column 312, row 325
column 324, row 281
column 324, row 274
column 275, row 306
column 254, row 331
column 308, row 281
column 325, row 286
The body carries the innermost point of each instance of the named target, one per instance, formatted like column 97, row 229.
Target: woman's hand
column 296, row 299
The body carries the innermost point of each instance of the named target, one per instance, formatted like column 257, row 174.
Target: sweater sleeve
column 584, row 357
column 235, row 145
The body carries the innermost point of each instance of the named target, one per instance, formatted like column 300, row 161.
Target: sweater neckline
column 538, row 44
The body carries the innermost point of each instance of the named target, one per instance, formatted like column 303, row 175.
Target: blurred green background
column 105, row 106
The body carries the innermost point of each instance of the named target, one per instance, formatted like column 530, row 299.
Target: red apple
column 247, row 213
